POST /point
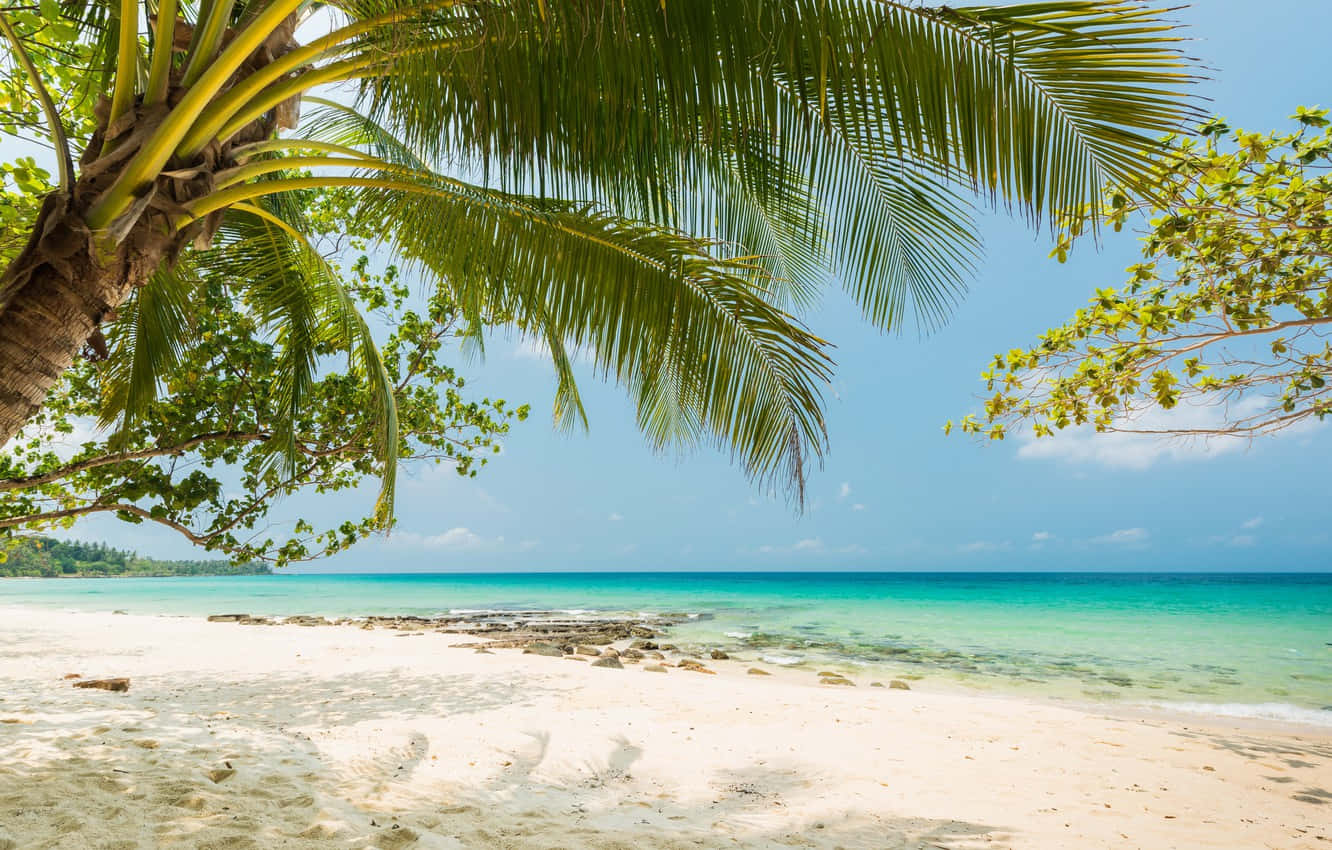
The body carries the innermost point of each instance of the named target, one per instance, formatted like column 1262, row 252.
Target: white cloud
column 454, row 538
column 532, row 348
column 844, row 490
column 981, row 546
column 1124, row 537
column 809, row 546
column 615, row 517
column 1040, row 537
column 1250, row 524
column 1120, row 450
column 857, row 507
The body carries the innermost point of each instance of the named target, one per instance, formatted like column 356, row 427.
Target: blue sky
column 894, row 493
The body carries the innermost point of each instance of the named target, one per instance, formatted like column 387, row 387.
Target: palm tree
column 662, row 183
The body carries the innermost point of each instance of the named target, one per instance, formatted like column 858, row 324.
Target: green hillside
column 42, row 556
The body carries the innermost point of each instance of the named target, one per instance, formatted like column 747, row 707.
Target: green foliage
column 1229, row 309
column 656, row 181
column 48, row 558
column 216, row 396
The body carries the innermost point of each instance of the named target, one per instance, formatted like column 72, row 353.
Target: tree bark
column 67, row 280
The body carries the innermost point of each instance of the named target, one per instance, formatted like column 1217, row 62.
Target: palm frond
column 296, row 295
column 682, row 328
column 151, row 331
column 644, row 107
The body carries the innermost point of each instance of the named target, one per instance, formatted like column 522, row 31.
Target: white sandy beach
column 337, row 737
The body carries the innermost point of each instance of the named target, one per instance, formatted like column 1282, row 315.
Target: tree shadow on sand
column 138, row 774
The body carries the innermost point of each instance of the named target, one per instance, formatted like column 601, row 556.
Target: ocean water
column 1226, row 644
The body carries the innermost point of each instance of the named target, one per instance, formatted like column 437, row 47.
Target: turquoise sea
column 1239, row 644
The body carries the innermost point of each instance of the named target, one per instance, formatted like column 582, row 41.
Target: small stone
column 653, row 668
column 608, row 661
column 694, row 666
column 631, row 655
column 73, row 675
column 227, row 618
column 758, row 671
column 481, row 650
column 221, row 774
column 118, row 685
column 543, row 649
column 587, row 650
column 899, row 685
column 836, row 680
column 718, row 655
column 368, row 627
column 119, row 611
column 656, row 655
column 610, row 652
column 146, row 744
column 877, row 685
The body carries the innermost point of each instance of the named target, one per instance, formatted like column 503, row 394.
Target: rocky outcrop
column 119, row 685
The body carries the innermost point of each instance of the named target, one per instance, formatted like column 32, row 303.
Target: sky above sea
column 894, row 492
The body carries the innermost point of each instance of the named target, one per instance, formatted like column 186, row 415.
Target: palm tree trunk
column 52, row 298
column 67, row 280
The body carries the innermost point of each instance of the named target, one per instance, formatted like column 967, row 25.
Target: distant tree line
column 45, row 557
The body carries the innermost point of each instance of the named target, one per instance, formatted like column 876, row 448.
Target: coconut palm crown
column 663, row 184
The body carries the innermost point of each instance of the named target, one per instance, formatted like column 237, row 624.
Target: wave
column 1282, row 711
column 781, row 660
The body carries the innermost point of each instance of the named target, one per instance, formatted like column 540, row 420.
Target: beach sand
column 255, row 737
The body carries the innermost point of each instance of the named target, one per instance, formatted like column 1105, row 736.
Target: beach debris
column 758, row 671
column 73, row 676
column 543, row 649
column 610, row 661
column 221, row 774
column 119, row 685
column 718, row 655
column 899, row 685
column 653, row 668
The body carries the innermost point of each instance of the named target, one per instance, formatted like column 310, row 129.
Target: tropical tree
column 199, row 461
column 658, row 183
column 1227, row 319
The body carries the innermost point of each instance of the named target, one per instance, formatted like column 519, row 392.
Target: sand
column 256, row 737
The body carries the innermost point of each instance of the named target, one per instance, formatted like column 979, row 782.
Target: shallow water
column 1231, row 644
